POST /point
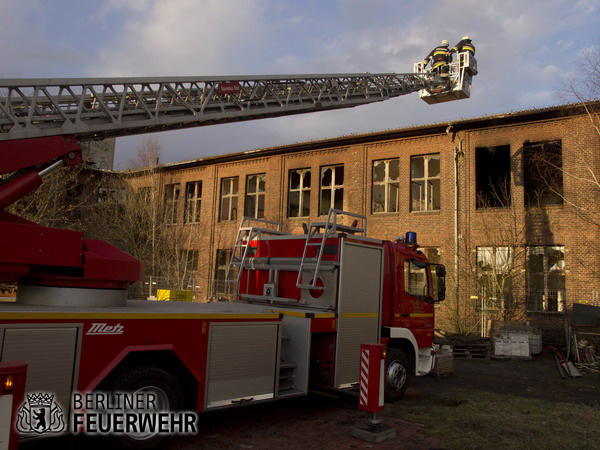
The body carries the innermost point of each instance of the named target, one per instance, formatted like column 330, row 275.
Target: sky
column 526, row 49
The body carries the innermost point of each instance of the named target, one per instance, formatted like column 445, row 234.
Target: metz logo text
column 103, row 328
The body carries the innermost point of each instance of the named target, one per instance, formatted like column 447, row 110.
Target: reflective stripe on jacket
column 464, row 46
column 439, row 56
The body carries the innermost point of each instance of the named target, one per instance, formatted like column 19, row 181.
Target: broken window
column 229, row 197
column 332, row 188
column 254, row 205
column 171, row 202
column 193, row 197
column 494, row 278
column 546, row 278
column 386, row 176
column 492, row 176
column 299, row 193
column 425, row 183
column 542, row 171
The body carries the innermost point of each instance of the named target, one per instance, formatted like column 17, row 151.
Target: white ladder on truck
column 330, row 227
column 248, row 232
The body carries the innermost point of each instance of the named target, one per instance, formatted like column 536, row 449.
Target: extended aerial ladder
column 42, row 122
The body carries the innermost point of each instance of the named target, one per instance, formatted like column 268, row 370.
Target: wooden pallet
column 472, row 351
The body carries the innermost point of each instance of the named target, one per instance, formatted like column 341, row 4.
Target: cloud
column 182, row 37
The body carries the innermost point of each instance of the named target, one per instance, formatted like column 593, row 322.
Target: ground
column 533, row 387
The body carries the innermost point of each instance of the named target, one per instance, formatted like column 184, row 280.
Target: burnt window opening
column 542, row 169
column 492, row 177
column 299, row 193
column 332, row 189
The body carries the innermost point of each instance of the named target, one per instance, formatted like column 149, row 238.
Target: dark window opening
column 542, row 169
column 492, row 176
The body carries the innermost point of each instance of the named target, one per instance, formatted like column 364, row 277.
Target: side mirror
column 440, row 271
column 441, row 288
column 440, row 275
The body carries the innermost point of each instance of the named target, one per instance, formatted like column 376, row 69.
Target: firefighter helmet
column 465, row 38
column 445, row 42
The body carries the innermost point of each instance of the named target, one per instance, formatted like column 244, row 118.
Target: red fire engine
column 305, row 303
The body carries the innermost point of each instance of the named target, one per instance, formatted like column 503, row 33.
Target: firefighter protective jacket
column 440, row 56
column 464, row 45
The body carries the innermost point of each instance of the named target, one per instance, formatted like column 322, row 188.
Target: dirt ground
column 322, row 423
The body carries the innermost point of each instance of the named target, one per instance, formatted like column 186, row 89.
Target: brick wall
column 562, row 225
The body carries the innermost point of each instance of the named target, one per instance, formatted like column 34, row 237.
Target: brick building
column 506, row 202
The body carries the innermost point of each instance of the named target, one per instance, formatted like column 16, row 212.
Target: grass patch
column 481, row 420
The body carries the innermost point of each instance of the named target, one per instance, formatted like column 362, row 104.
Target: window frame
column 171, row 202
column 333, row 188
column 193, row 203
column 500, row 265
column 386, row 184
column 426, row 179
column 301, row 190
column 231, row 197
column 255, row 196
column 534, row 304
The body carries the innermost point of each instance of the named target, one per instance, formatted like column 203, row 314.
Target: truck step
column 287, row 365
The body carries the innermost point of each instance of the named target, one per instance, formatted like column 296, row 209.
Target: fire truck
column 304, row 303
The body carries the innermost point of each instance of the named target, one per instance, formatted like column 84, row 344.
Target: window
column 193, row 197
column 229, row 196
column 492, row 177
column 415, row 279
column 188, row 265
column 542, row 171
column 171, row 202
column 254, row 206
column 494, row 277
column 299, row 193
column 220, row 285
column 118, row 195
column 425, row 183
column 385, row 186
column 332, row 189
column 546, row 278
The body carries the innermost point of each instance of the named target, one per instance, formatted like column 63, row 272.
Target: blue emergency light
column 411, row 238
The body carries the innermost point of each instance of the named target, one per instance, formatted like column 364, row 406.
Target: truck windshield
column 415, row 279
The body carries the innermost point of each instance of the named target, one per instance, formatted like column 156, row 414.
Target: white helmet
column 465, row 38
column 445, row 42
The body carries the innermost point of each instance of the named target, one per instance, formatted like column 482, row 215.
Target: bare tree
column 60, row 201
column 584, row 88
column 140, row 215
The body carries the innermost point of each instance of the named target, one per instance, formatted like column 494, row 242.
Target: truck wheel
column 144, row 379
column 397, row 372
